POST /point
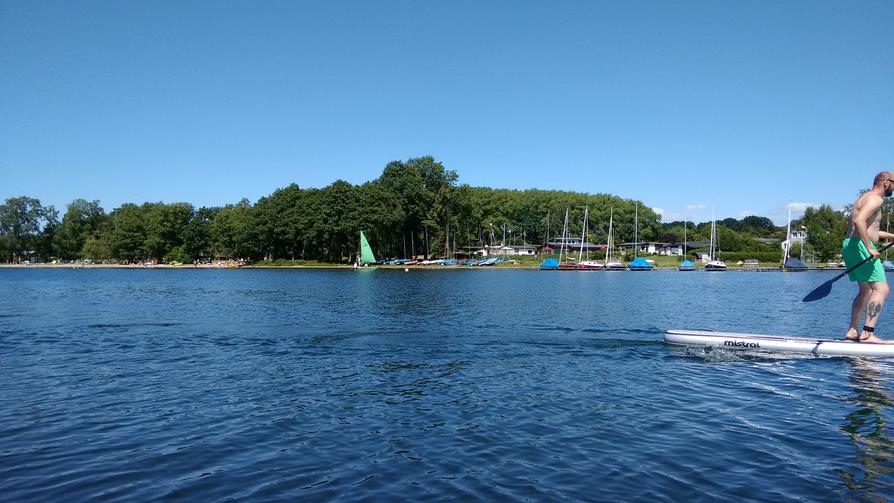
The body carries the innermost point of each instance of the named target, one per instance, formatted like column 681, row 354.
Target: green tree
column 97, row 247
column 338, row 213
column 278, row 218
column 45, row 244
column 21, row 222
column 165, row 225
column 127, row 233
column 197, row 235
column 825, row 230
column 232, row 232
column 420, row 190
column 82, row 221
column 758, row 226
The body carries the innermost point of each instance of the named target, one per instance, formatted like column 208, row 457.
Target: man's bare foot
column 851, row 335
column 873, row 339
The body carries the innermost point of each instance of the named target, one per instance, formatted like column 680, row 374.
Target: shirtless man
column 863, row 233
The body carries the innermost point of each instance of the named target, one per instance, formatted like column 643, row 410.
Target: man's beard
column 889, row 192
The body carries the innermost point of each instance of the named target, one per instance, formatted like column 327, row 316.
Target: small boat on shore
column 713, row 264
column 584, row 263
column 686, row 265
column 794, row 264
column 611, row 263
column 789, row 263
column 566, row 264
column 550, row 264
column 640, row 264
column 590, row 265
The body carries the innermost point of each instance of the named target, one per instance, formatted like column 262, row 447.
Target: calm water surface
column 208, row 385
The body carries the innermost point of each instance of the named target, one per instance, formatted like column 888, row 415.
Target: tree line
column 414, row 208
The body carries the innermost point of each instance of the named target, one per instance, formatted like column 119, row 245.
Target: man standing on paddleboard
column 863, row 233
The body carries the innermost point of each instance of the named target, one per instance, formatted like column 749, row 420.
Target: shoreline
column 351, row 267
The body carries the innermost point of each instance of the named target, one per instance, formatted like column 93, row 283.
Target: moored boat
column 789, row 263
column 611, row 263
column 566, row 264
column 550, row 264
column 590, row 265
column 686, row 265
column 713, row 264
column 640, row 264
column 793, row 264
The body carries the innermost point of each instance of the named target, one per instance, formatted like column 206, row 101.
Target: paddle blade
column 819, row 292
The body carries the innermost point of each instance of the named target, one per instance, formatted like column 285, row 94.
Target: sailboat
column 686, row 265
column 639, row 263
column 789, row 263
column 550, row 263
column 365, row 256
column 586, row 265
column 565, row 265
column 611, row 263
column 713, row 264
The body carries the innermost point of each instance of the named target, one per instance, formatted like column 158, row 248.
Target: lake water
column 208, row 385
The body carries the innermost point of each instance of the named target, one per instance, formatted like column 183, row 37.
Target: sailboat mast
column 684, row 233
column 713, row 230
column 788, row 238
column 583, row 234
column 546, row 237
column 636, row 231
column 564, row 233
column 608, row 244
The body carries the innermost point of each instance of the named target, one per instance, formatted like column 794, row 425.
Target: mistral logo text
column 741, row 344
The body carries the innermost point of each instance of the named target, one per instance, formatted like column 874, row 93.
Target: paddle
column 824, row 289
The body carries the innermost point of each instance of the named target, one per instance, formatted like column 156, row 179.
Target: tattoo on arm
column 874, row 309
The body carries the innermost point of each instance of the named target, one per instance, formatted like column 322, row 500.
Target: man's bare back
column 870, row 204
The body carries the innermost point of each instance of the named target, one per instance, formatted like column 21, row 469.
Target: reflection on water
column 867, row 428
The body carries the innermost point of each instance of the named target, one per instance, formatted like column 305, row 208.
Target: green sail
column 366, row 253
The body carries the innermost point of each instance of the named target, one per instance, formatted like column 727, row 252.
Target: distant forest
column 415, row 208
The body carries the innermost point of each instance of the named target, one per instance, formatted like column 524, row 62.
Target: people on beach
column 863, row 233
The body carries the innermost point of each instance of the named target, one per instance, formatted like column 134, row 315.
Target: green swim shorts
column 854, row 251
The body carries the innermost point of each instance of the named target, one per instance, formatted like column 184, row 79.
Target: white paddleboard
column 777, row 343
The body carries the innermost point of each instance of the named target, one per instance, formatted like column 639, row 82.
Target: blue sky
column 753, row 105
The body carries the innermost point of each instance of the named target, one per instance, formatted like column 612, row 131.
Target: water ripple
column 273, row 385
